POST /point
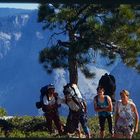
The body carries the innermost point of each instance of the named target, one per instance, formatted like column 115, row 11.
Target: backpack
column 69, row 90
column 43, row 92
column 108, row 82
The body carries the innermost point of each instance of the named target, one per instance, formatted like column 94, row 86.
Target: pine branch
column 50, row 38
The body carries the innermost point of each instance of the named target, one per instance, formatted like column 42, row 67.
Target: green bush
column 35, row 127
column 2, row 133
column 28, row 123
column 17, row 134
column 39, row 134
column 3, row 112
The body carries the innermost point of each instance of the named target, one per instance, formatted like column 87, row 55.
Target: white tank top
column 126, row 116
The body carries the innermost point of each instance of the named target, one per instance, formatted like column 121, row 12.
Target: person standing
column 103, row 105
column 77, row 110
column 126, row 117
column 50, row 107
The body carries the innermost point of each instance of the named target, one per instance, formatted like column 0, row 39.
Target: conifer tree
column 111, row 30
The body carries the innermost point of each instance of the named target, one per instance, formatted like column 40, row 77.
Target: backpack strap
column 117, row 106
column 74, row 91
column 106, row 98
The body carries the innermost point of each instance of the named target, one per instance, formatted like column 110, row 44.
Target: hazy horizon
column 29, row 6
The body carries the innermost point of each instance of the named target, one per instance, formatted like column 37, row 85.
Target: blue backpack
column 43, row 92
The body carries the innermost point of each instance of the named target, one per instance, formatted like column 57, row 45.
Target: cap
column 50, row 86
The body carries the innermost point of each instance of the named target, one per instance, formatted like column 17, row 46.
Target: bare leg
column 102, row 134
column 79, row 133
column 118, row 136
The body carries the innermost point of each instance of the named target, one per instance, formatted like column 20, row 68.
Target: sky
column 19, row 5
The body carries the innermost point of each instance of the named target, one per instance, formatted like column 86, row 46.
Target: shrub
column 3, row 112
column 35, row 127
column 38, row 134
column 17, row 134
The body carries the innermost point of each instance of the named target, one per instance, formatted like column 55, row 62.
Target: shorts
column 124, row 130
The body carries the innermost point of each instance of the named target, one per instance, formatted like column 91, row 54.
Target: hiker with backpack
column 103, row 105
column 49, row 103
column 77, row 110
column 108, row 82
column 126, row 117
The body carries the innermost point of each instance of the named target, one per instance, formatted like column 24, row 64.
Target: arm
column 96, row 108
column 50, row 106
column 116, row 118
column 85, row 106
column 108, row 108
column 61, row 100
column 116, row 113
column 134, row 109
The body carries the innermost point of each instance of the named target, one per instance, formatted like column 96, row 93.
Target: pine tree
column 111, row 30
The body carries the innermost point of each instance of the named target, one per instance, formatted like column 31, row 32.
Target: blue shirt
column 103, row 105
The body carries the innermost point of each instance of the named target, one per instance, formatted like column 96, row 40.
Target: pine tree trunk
column 73, row 66
column 73, row 72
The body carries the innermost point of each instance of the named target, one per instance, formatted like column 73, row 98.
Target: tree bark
column 73, row 65
column 73, row 72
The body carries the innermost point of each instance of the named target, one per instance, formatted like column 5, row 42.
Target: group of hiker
column 125, row 113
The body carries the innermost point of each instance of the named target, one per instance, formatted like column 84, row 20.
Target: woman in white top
column 126, row 117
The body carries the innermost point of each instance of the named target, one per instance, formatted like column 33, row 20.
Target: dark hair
column 100, row 88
